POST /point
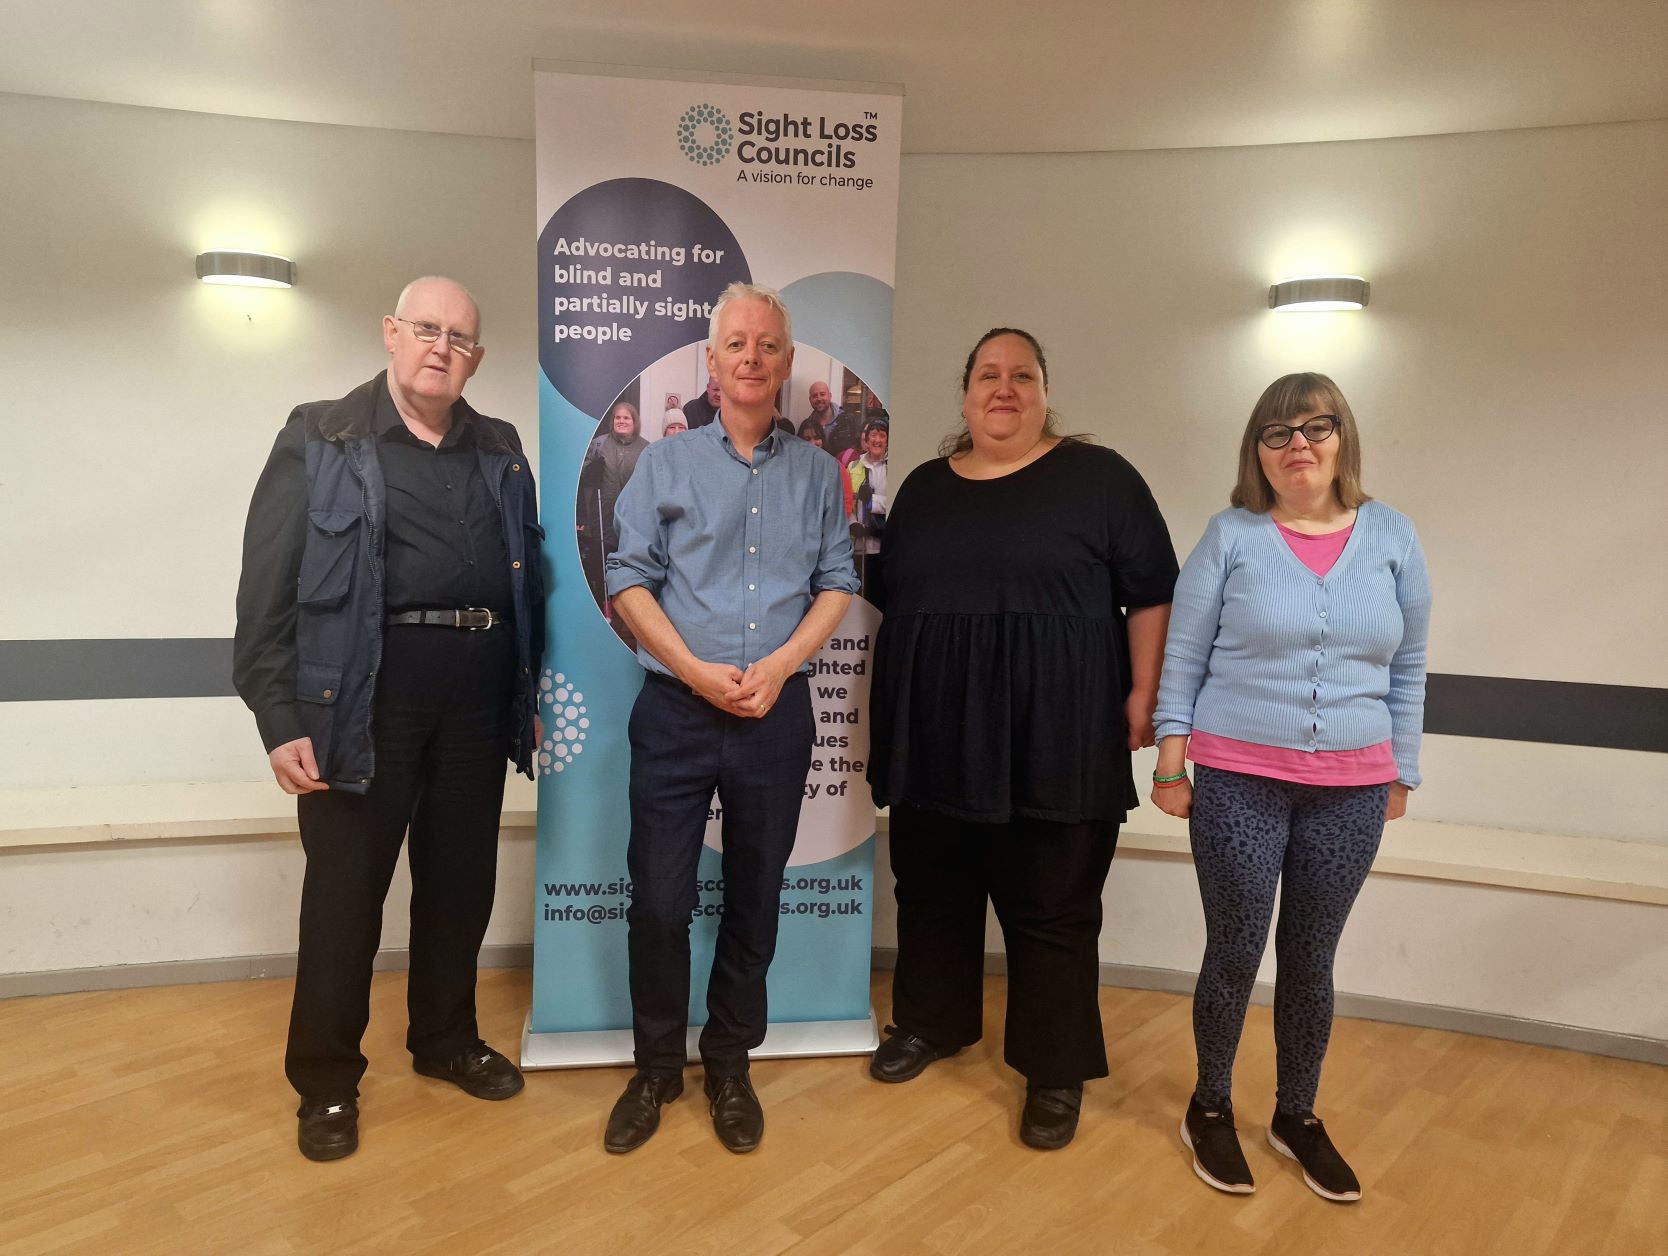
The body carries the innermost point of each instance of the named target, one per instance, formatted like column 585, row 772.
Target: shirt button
column 752, row 627
column 752, row 549
column 751, row 587
column 329, row 693
column 516, row 566
column 1323, row 613
column 755, row 470
column 515, row 466
column 756, row 511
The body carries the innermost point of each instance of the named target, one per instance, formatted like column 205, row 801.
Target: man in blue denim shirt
column 733, row 568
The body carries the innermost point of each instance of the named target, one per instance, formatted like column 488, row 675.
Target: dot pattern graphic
column 697, row 124
column 563, row 715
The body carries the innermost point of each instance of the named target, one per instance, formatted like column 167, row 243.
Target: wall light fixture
column 248, row 270
column 1319, row 292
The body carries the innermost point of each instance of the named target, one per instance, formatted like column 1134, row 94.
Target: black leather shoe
column 1050, row 1116
column 903, row 1056
column 328, row 1131
column 636, row 1114
column 479, row 1071
column 737, row 1118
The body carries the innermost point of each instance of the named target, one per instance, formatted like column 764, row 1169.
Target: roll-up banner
column 656, row 189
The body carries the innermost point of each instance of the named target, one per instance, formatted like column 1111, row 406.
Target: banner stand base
column 613, row 1046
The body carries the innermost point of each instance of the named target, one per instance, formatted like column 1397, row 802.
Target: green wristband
column 1168, row 780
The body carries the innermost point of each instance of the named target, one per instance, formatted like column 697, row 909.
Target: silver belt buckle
column 488, row 617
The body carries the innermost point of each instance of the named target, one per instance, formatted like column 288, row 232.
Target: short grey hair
column 750, row 292
column 405, row 295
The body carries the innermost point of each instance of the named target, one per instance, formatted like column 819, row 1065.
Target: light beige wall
column 140, row 404
column 1518, row 285
column 1510, row 376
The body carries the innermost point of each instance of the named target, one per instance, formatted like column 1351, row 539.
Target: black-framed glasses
column 1315, row 430
column 428, row 333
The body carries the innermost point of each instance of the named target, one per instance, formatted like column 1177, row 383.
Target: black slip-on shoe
column 328, row 1131
column 478, row 1071
column 1049, row 1118
column 904, row 1056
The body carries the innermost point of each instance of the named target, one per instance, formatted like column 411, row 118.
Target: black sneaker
column 1303, row 1138
column 1209, row 1134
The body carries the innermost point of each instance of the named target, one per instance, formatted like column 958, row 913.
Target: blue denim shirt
column 733, row 550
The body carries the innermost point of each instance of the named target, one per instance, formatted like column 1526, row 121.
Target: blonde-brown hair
column 1281, row 402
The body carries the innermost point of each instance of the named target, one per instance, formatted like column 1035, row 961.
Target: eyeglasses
column 428, row 333
column 1315, row 430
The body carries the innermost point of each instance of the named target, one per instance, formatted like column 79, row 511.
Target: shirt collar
column 767, row 447
column 387, row 420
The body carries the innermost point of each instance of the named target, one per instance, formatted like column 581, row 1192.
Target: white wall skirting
column 1126, row 976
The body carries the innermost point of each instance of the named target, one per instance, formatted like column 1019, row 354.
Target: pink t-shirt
column 1371, row 765
column 1318, row 551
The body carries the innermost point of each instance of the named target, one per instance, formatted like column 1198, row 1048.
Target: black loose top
column 1002, row 664
column 445, row 534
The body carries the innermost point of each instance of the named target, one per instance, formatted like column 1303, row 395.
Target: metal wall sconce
column 1319, row 292
column 248, row 270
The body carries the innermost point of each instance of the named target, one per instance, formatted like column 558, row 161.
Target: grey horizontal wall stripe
column 127, row 667
column 1615, row 717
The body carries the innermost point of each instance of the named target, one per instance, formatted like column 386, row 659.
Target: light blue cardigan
column 1263, row 650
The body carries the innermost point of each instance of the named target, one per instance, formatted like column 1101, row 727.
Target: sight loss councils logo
column 704, row 134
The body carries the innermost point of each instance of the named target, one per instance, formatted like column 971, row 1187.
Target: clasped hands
column 749, row 694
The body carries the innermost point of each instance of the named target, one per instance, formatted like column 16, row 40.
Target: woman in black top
column 1009, row 689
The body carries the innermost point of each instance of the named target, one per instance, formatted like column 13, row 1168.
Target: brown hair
column 1281, row 402
column 961, row 440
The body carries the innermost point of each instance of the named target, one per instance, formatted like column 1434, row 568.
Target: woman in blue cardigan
column 1294, row 679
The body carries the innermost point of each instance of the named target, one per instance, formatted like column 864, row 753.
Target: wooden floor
column 158, row 1120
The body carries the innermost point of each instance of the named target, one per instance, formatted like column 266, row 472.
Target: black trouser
column 1045, row 881
column 441, row 733
column 682, row 749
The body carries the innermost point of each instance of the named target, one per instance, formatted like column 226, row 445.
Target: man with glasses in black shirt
column 392, row 552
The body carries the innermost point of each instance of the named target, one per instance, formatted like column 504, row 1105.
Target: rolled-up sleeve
column 641, row 558
column 834, row 569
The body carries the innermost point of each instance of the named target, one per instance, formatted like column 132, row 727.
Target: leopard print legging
column 1316, row 843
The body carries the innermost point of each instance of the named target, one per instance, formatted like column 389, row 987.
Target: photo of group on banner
column 825, row 403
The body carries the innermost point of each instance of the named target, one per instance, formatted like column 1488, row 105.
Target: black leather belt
column 473, row 618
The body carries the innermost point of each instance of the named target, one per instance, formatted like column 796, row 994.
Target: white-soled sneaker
column 1303, row 1138
column 1209, row 1134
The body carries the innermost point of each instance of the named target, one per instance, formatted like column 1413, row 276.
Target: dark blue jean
column 683, row 749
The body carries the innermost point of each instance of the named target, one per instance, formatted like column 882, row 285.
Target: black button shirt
column 445, row 538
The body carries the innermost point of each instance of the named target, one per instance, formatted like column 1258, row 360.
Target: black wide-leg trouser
column 682, row 750
column 440, row 728
column 1045, row 881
